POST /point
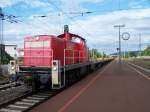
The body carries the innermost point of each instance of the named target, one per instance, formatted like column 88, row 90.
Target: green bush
column 5, row 58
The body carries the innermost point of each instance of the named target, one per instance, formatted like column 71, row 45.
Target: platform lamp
column 119, row 48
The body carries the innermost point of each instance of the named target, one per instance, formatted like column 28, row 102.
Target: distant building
column 11, row 50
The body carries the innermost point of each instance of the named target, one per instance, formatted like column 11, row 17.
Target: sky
column 96, row 27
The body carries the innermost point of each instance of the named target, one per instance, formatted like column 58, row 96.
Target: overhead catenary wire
column 59, row 9
column 40, row 20
column 32, row 26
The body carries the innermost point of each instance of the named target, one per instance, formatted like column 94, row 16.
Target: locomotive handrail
column 73, row 56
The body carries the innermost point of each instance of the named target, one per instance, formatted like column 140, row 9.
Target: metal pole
column 103, row 56
column 0, row 36
column 140, row 45
column 1, row 39
column 125, row 49
column 119, row 46
column 125, row 56
column 64, row 67
column 119, row 26
column 124, row 52
column 93, row 54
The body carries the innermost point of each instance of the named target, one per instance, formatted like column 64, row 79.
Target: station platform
column 114, row 88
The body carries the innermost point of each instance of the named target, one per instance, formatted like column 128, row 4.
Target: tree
column 146, row 52
column 94, row 53
column 132, row 54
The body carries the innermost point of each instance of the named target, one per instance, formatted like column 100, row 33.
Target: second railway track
column 7, row 86
column 28, row 101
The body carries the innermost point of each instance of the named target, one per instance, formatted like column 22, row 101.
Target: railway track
column 9, row 91
column 4, row 82
column 16, row 97
column 9, row 85
column 28, row 101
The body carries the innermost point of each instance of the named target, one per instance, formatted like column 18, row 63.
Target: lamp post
column 1, row 39
column 119, row 50
column 140, row 50
column 1, row 35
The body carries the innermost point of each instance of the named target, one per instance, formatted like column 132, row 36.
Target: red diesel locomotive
column 49, row 58
column 40, row 50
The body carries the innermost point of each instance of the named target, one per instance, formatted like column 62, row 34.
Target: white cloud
column 5, row 3
column 76, row 5
column 37, row 3
column 101, row 28
column 97, row 29
column 136, row 4
column 32, row 3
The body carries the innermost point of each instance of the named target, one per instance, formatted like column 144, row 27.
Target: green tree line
column 146, row 52
column 94, row 53
column 5, row 57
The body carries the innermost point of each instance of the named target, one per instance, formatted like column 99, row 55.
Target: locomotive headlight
column 12, row 67
column 55, row 68
column 37, row 38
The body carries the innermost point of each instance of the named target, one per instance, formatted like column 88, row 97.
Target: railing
column 70, row 56
column 73, row 56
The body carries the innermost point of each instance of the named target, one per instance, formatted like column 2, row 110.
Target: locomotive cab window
column 76, row 40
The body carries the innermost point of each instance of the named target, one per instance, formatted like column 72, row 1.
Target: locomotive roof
column 72, row 35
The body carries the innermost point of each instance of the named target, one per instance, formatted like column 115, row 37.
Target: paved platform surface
column 114, row 88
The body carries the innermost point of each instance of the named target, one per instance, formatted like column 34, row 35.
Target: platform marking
column 62, row 109
column 140, row 73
